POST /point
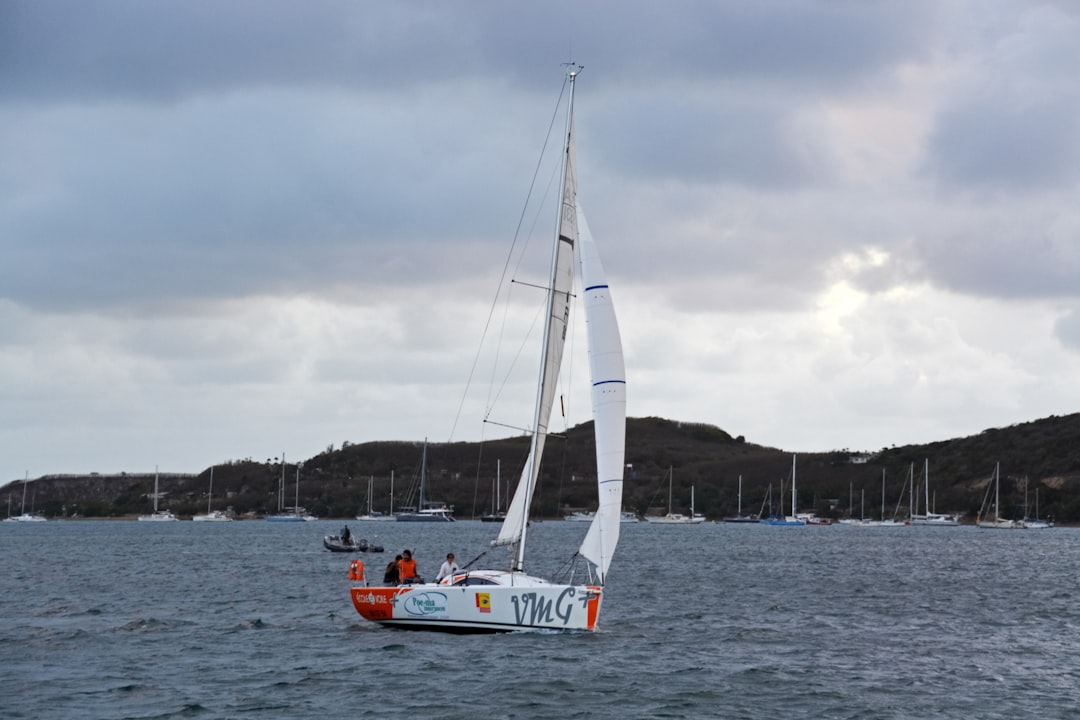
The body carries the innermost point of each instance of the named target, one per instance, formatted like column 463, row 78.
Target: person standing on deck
column 407, row 568
column 448, row 568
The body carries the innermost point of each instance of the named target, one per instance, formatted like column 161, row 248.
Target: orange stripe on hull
column 593, row 608
column 375, row 603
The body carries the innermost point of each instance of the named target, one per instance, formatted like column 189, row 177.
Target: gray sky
column 238, row 229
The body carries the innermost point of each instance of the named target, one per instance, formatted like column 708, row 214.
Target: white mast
column 281, row 486
column 882, row 493
column 793, row 456
column 560, row 286
column 926, row 475
column 210, row 492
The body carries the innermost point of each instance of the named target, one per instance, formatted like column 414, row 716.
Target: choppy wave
column 253, row 620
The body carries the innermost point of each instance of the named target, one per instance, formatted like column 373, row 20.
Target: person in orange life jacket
column 407, row 568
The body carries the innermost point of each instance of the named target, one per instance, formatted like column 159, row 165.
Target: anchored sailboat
column 510, row 599
column 158, row 515
column 211, row 515
column 674, row 518
column 989, row 514
column 24, row 516
column 426, row 511
column 929, row 517
column 793, row 518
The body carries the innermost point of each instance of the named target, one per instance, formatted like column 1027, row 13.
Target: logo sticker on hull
column 483, row 602
column 425, row 604
column 536, row 609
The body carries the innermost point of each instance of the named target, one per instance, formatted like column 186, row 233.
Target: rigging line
column 472, row 562
column 506, row 265
column 476, row 486
column 513, row 363
column 493, row 395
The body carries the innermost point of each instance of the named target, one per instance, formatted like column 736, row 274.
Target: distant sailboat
column 211, row 515
column 891, row 522
column 674, row 518
column 23, row 516
column 930, row 518
column 738, row 517
column 372, row 514
column 496, row 514
column 792, row 519
column 1034, row 523
column 426, row 511
column 158, row 515
column 990, row 513
column 295, row 513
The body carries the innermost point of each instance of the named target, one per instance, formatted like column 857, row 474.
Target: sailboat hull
column 675, row 519
column 459, row 606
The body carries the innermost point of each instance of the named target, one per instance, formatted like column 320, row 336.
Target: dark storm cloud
column 63, row 50
column 58, row 50
column 997, row 145
column 706, row 143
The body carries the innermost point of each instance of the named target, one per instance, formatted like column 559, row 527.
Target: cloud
column 237, row 229
column 1010, row 123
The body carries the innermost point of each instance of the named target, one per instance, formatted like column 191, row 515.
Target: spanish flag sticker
column 483, row 601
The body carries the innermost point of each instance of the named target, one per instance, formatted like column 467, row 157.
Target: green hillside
column 1044, row 453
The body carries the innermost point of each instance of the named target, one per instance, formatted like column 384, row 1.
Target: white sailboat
column 373, row 515
column 883, row 522
column 427, row 510
column 295, row 513
column 211, row 515
column 929, row 518
column 674, row 518
column 989, row 514
column 23, row 516
column 511, row 599
column 496, row 514
column 1034, row 523
column 738, row 517
column 793, row 519
column 158, row 515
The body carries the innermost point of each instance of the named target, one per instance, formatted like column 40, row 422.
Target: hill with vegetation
column 1042, row 455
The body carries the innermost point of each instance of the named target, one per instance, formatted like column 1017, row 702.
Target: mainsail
column 558, row 315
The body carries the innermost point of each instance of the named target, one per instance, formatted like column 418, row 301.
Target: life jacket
column 406, row 569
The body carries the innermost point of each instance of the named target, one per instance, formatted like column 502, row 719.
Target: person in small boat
column 390, row 577
column 407, row 568
column 448, row 568
column 346, row 536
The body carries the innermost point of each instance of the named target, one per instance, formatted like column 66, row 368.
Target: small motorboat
column 334, row 543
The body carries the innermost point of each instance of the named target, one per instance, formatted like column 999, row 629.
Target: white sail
column 608, row 374
column 559, row 292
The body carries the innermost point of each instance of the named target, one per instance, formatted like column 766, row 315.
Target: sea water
column 111, row 619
